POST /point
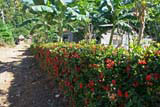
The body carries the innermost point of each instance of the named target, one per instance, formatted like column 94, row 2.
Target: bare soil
column 22, row 84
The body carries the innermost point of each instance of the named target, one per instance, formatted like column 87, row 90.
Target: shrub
column 100, row 76
column 6, row 36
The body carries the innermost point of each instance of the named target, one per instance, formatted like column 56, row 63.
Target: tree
column 117, row 12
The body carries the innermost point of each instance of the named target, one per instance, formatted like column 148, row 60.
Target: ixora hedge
column 99, row 76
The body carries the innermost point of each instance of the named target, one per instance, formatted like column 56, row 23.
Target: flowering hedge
column 99, row 76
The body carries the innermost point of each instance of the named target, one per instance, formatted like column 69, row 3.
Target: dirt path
column 21, row 82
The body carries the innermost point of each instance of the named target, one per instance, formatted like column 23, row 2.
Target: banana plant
column 117, row 12
column 56, row 14
column 84, row 13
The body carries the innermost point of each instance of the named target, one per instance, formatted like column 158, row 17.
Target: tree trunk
column 60, row 36
column 112, row 33
column 141, row 32
column 142, row 14
column 60, row 31
column 3, row 17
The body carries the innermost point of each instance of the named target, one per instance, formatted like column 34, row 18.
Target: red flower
column 114, row 82
column 75, row 79
column 156, row 76
column 101, row 76
column 109, row 63
column 126, row 94
column 48, row 52
column 119, row 93
column 55, row 59
column 106, row 88
column 80, row 85
column 67, row 83
column 75, row 55
column 91, row 83
column 135, row 84
column 56, row 69
column 128, row 68
column 86, row 101
column 92, row 89
column 148, row 77
column 142, row 62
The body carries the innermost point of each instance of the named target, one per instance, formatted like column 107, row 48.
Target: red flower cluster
column 120, row 94
column 80, row 85
column 135, row 84
column 148, row 77
column 109, row 63
column 114, row 82
column 67, row 83
column 75, row 55
column 71, row 73
column 106, row 88
column 142, row 62
column 101, row 76
column 156, row 76
column 91, row 85
column 56, row 69
column 128, row 68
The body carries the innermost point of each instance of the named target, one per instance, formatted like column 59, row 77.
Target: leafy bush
column 99, row 76
column 5, row 34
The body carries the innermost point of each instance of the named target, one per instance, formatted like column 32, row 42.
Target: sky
column 30, row 1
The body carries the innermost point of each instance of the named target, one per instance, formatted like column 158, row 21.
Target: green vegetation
column 47, row 20
column 6, row 34
column 95, row 75
column 92, row 74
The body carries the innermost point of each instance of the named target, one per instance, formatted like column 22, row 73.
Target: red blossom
column 148, row 77
column 80, row 85
column 126, row 94
column 75, row 55
column 156, row 76
column 106, row 88
column 142, row 62
column 119, row 92
column 101, row 76
column 74, row 79
column 128, row 68
column 67, row 83
column 86, row 101
column 55, row 59
column 48, row 52
column 109, row 63
column 91, row 83
column 48, row 60
column 92, row 89
column 135, row 84
column 56, row 69
column 114, row 82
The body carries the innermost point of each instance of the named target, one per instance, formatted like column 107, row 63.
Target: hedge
column 100, row 76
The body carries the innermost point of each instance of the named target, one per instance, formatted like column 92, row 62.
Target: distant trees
column 52, row 18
